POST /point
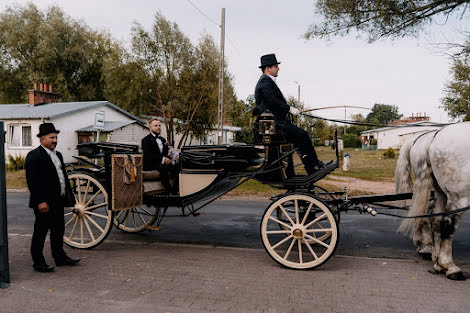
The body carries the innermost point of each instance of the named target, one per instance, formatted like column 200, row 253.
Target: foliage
column 357, row 129
column 457, row 92
column 15, row 163
column 383, row 113
column 389, row 153
column 351, row 141
column 373, row 142
column 50, row 47
column 381, row 18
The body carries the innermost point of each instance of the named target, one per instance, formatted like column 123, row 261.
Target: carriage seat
column 152, row 183
column 279, row 138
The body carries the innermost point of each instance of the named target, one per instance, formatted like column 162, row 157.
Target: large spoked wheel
column 88, row 223
column 299, row 240
column 137, row 219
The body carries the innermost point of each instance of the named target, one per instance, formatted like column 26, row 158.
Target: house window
column 19, row 136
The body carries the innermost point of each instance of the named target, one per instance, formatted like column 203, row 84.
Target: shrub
column 15, row 163
column 351, row 141
column 389, row 153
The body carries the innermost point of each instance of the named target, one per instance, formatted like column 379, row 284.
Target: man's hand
column 294, row 111
column 43, row 207
column 167, row 160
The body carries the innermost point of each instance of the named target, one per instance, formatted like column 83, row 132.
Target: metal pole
column 4, row 267
column 220, row 115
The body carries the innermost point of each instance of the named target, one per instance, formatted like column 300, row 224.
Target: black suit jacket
column 268, row 96
column 152, row 155
column 43, row 181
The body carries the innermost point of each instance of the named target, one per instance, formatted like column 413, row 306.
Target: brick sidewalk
column 132, row 277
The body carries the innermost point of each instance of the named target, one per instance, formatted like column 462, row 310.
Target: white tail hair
column 403, row 181
column 422, row 187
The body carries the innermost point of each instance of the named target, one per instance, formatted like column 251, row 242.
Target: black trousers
column 53, row 221
column 301, row 140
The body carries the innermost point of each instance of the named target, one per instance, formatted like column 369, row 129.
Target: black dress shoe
column 43, row 268
column 68, row 262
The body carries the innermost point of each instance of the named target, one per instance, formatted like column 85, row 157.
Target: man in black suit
column 50, row 192
column 156, row 155
column 268, row 96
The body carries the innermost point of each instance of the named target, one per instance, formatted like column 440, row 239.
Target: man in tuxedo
column 268, row 96
column 156, row 154
column 50, row 191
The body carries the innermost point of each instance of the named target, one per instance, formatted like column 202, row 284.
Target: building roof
column 109, row 126
column 54, row 110
column 419, row 124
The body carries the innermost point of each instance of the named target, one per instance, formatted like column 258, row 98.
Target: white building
column 396, row 136
column 21, row 122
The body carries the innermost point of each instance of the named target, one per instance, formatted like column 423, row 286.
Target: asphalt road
column 236, row 223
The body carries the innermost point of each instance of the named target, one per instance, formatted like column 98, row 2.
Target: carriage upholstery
column 152, row 183
column 231, row 157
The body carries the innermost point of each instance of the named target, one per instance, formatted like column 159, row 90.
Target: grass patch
column 16, row 179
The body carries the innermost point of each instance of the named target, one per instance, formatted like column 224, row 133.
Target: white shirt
column 273, row 78
column 160, row 145
column 58, row 167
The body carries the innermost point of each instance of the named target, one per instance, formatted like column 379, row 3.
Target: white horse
column 441, row 161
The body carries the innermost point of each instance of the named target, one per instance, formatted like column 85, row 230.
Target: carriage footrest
column 312, row 178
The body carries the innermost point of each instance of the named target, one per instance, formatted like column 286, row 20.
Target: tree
column 383, row 113
column 50, row 47
column 457, row 99
column 381, row 18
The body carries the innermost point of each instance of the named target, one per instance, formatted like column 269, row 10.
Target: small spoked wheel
column 303, row 236
column 136, row 219
column 87, row 223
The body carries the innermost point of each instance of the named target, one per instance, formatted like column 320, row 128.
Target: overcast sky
column 345, row 71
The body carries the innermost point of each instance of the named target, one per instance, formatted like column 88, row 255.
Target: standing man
column 268, row 96
column 156, row 154
column 50, row 192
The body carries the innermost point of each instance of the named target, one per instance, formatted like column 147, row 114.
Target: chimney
column 41, row 96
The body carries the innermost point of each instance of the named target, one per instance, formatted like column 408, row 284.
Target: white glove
column 294, row 111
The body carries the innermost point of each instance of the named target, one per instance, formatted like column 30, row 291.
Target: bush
column 15, row 163
column 351, row 141
column 389, row 153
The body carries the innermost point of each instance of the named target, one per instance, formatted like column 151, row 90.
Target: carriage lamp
column 267, row 127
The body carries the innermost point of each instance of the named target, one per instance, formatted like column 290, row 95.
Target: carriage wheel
column 88, row 223
column 136, row 219
column 303, row 241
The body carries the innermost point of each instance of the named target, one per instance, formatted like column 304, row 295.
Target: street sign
column 99, row 119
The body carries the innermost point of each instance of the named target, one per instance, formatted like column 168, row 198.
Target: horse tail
column 403, row 181
column 421, row 194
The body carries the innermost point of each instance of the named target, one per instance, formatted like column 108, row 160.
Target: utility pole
column 220, row 112
column 4, row 265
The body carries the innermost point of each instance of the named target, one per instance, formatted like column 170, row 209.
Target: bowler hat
column 47, row 128
column 269, row 60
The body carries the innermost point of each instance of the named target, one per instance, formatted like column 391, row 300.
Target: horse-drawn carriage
column 299, row 228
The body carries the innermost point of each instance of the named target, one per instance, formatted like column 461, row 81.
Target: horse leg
column 423, row 239
column 440, row 204
column 448, row 227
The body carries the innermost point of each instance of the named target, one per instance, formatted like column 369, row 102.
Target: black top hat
column 47, row 128
column 269, row 60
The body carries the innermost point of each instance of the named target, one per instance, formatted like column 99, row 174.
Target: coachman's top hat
column 269, row 60
column 47, row 128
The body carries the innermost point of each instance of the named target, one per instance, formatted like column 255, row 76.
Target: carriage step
column 307, row 179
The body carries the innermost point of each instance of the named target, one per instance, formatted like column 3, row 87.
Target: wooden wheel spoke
column 79, row 191
column 317, row 241
column 310, row 248
column 86, row 191
column 282, row 231
column 81, row 231
column 141, row 219
column 281, row 242
column 296, row 205
column 99, row 205
column 280, row 222
column 321, row 217
column 96, row 214
column 73, row 228
column 287, row 215
column 93, row 198
column 289, row 250
column 95, row 223
column 307, row 213
column 299, row 243
column 67, row 214
column 321, row 230
column 89, row 229
column 70, row 220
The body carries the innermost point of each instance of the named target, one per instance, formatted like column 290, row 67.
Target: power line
column 200, row 11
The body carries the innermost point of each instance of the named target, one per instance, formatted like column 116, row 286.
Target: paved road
column 236, row 223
